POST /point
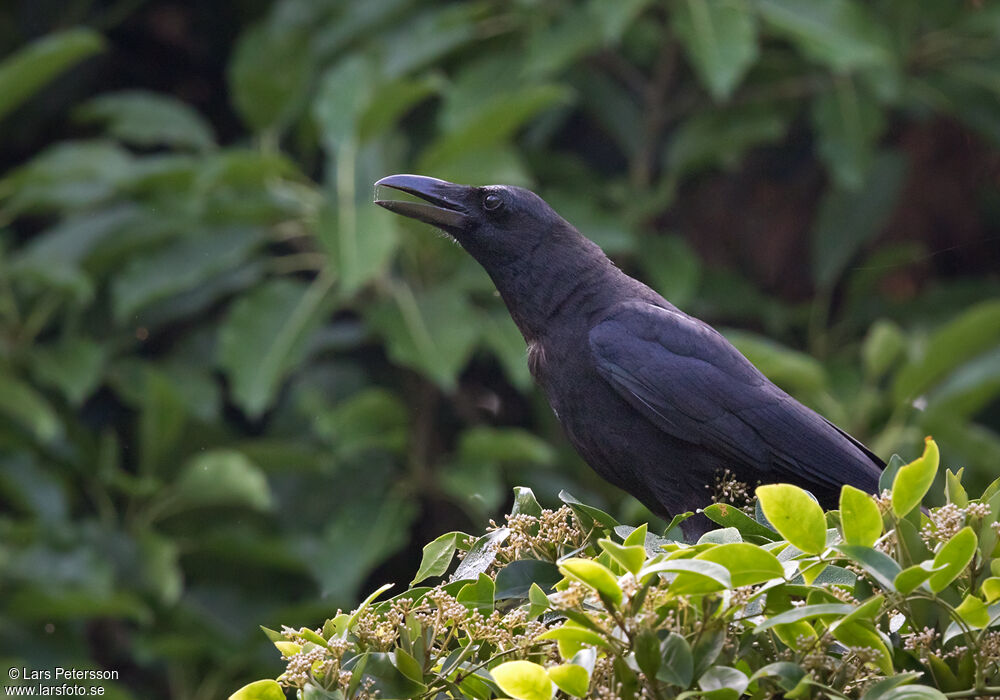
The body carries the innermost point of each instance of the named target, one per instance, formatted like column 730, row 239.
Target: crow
column 655, row 401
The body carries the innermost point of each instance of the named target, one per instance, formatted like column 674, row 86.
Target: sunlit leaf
column 523, row 680
column 795, row 515
column 860, row 517
column 914, row 480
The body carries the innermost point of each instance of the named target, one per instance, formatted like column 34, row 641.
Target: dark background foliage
column 233, row 392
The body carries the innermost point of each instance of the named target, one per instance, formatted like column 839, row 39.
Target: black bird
column 656, row 401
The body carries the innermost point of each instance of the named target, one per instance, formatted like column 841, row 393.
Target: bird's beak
column 445, row 210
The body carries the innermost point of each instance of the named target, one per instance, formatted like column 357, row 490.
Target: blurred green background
column 233, row 392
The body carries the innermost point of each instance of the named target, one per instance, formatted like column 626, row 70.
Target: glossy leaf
column 523, row 680
column 908, row 579
column 914, row 479
column 677, row 667
column 437, row 556
column 795, row 515
column 629, row 558
column 478, row 595
column 594, row 575
column 881, row 567
column 748, row 564
column 570, row 678
column 259, row 690
column 954, row 556
column 860, row 517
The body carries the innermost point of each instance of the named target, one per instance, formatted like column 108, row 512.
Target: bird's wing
column 692, row 383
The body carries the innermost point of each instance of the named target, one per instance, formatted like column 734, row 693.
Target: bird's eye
column 492, row 201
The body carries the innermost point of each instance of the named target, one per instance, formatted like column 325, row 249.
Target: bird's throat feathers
column 565, row 274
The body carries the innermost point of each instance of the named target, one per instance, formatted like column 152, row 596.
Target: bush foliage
column 233, row 391
column 876, row 600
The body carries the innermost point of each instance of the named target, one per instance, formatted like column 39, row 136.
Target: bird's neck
column 573, row 283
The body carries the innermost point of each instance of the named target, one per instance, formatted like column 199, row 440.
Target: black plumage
column 656, row 401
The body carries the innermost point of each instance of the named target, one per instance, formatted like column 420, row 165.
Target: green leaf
column 594, row 575
column 848, row 220
column 73, row 365
column 646, row 647
column 711, row 139
column 432, row 331
column 220, row 478
column 974, row 331
column 68, row 176
column 991, row 589
column 860, row 518
column 269, row 75
column 570, row 678
column 572, row 637
column 428, row 36
column 629, row 558
column 879, row 566
column 374, row 419
column 481, row 555
column 437, row 556
column 974, row 611
column 386, row 679
column 795, row 515
column 588, row 516
column 908, row 579
column 344, row 93
column 695, row 576
column 260, row 690
column 20, row 403
column 524, row 499
column 671, row 266
column 25, row 72
column 517, row 578
column 677, row 667
column 392, row 100
column 495, row 121
column 720, row 40
column 912, row 692
column 180, row 266
column 723, row 678
column 523, row 680
column 824, row 611
column 265, row 334
column 148, row 119
column 509, row 445
column 731, row 516
column 888, row 475
column 914, row 480
column 478, row 595
column 954, row 555
column 788, row 674
column 953, row 490
column 790, row 369
column 747, row 563
column 864, row 634
column 882, row 347
column 841, row 34
column 848, row 123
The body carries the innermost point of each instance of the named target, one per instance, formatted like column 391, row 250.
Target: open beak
column 444, row 210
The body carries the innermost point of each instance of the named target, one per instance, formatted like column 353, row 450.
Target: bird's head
column 496, row 224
